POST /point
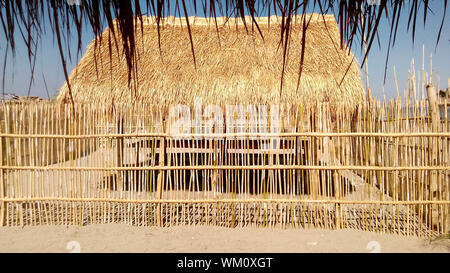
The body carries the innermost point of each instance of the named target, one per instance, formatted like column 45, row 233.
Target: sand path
column 122, row 238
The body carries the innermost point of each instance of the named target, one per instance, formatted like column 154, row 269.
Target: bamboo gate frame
column 383, row 167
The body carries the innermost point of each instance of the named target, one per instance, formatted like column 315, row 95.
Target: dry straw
column 238, row 66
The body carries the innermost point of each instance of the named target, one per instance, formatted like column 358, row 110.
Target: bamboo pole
column 396, row 83
column 120, row 153
column 431, row 69
column 366, row 57
column 313, row 147
column 2, row 186
column 160, row 179
column 446, row 149
column 275, row 167
column 235, row 135
column 228, row 200
column 434, row 112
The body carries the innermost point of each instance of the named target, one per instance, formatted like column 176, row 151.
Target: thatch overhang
column 233, row 66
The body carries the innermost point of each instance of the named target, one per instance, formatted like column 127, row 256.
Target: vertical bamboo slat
column 161, row 178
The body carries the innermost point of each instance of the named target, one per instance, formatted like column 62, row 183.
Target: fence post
column 2, row 186
column 119, row 151
column 371, row 112
column 432, row 100
column 160, row 179
column 446, row 153
column 313, row 154
column 162, row 151
column 337, row 205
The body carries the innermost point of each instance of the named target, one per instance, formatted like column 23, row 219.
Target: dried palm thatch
column 232, row 65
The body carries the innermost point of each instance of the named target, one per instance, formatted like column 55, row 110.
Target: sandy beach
column 123, row 238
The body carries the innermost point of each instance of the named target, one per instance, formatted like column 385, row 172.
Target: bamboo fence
column 383, row 168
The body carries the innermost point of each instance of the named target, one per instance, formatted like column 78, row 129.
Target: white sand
column 122, row 238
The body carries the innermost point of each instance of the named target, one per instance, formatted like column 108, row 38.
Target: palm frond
column 29, row 16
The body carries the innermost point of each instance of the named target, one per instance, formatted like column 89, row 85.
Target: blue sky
column 48, row 63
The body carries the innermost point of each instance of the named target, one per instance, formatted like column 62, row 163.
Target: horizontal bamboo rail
column 233, row 135
column 208, row 201
column 253, row 167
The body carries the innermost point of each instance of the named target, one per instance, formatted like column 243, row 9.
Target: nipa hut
column 233, row 66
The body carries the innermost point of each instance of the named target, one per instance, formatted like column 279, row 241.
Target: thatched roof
column 241, row 68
